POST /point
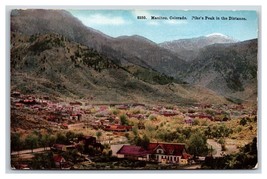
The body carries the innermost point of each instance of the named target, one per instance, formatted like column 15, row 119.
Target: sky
column 124, row 22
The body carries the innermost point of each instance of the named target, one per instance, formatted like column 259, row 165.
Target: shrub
column 196, row 122
column 115, row 111
column 243, row 121
column 124, row 120
column 152, row 117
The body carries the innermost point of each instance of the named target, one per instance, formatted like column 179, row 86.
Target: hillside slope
column 229, row 69
column 188, row 49
column 49, row 64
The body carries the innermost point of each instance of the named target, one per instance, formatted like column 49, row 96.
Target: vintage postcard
column 131, row 89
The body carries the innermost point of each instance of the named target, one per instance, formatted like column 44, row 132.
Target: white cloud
column 99, row 19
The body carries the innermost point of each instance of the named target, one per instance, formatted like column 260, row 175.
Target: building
column 90, row 142
column 118, row 128
column 60, row 162
column 132, row 152
column 166, row 153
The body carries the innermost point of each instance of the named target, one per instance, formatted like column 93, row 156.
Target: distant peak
column 217, row 34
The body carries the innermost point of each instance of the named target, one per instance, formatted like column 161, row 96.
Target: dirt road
column 216, row 146
column 30, row 151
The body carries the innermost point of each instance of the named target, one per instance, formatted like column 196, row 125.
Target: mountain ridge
column 49, row 64
column 144, row 59
column 188, row 49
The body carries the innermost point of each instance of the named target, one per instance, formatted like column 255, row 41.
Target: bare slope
column 49, row 64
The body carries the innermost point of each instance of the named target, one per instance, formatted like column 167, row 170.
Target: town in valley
column 49, row 134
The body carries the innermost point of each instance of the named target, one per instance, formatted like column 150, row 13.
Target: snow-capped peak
column 217, row 34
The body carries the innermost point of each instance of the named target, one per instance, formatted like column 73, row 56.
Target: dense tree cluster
column 247, row 158
column 36, row 139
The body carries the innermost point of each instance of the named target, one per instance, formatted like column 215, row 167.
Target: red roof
column 58, row 158
column 186, row 156
column 58, row 146
column 132, row 150
column 168, row 148
column 117, row 128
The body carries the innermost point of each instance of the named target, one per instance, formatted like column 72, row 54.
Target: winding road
column 30, row 151
column 216, row 147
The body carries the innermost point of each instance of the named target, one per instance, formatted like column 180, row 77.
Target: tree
column 152, row 117
column 245, row 159
column 61, row 138
column 43, row 161
column 80, row 148
column 243, row 122
column 135, row 130
column 208, row 132
column 44, row 141
column 98, row 134
column 197, row 144
column 51, row 140
column 31, row 141
column 70, row 135
column 196, row 122
column 15, row 142
column 143, row 142
column 124, row 120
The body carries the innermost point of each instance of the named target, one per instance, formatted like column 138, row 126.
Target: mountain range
column 68, row 59
column 188, row 49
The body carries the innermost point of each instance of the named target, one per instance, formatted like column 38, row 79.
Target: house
column 64, row 126
column 185, row 159
column 19, row 105
column 137, row 116
column 122, row 107
column 189, row 121
column 90, row 141
column 76, row 103
column 76, row 116
column 59, row 147
column 168, row 113
column 132, row 152
column 115, row 148
column 59, row 161
column 166, row 152
column 15, row 94
column 118, row 128
column 62, row 147
column 87, row 140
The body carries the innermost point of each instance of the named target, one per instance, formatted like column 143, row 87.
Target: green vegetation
column 197, row 144
column 217, row 131
column 98, row 134
column 124, row 120
column 16, row 142
column 143, row 142
column 152, row 117
column 31, row 141
column 35, row 140
column 43, row 161
column 245, row 159
column 45, row 44
column 150, row 76
column 171, row 136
